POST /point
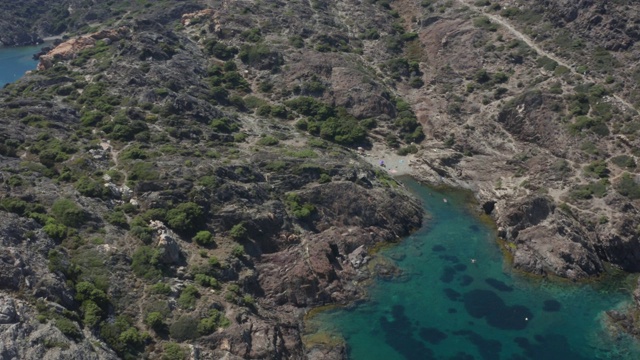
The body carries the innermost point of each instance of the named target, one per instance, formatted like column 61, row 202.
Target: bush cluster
column 627, row 186
column 330, row 123
column 301, row 211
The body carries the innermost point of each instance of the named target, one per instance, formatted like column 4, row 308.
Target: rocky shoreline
column 270, row 143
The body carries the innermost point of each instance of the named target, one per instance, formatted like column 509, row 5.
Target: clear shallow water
column 448, row 307
column 15, row 61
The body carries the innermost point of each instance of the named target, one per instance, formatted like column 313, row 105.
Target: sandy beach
column 394, row 164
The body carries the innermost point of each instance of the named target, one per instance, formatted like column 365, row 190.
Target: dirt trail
column 537, row 48
column 115, row 154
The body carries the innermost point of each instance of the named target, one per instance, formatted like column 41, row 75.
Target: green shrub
column 211, row 323
column 20, row 207
column 296, row 41
column 482, row 76
column 185, row 217
column 188, row 297
column 324, row 178
column 143, row 171
column 500, row 78
column 122, row 337
column 310, row 107
column 416, row 82
column 411, row 149
column 597, row 168
column 233, row 80
column 173, row 351
column 219, row 93
column 68, row 213
column 90, row 188
column 184, row 328
column 484, row 23
column 214, row 262
column 547, row 64
column 219, row 50
column 134, row 153
column 88, row 291
column 264, row 110
column 276, row 166
column 397, row 68
column 206, row 281
column 624, row 161
column 204, row 238
column 55, row 230
column 118, row 218
column 268, row 141
column 239, row 232
column 145, row 263
column 144, row 233
column 68, row 328
column 587, row 122
column 627, row 186
column 155, row 320
column 252, row 35
column 161, row 288
column 265, row 86
column 344, row 131
column 238, row 251
column 208, row 181
column 224, row 125
column 230, row 66
column 92, row 118
column 298, row 210
column 124, row 129
column 92, row 313
column 584, row 192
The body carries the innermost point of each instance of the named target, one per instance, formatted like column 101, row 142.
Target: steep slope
column 173, row 182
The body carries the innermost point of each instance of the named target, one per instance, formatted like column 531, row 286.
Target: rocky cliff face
column 184, row 180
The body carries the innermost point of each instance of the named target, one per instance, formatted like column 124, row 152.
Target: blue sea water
column 15, row 61
column 447, row 306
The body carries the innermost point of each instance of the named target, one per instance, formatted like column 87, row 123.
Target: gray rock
column 7, row 311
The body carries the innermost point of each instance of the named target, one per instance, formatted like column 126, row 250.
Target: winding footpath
column 538, row 49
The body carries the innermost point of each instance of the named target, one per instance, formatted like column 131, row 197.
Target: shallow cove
column 15, row 61
column 453, row 308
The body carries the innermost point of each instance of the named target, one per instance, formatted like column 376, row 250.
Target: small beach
column 394, row 164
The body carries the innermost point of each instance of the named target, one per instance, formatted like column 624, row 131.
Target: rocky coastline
column 238, row 125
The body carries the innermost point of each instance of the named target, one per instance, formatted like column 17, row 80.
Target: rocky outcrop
column 529, row 119
column 319, row 271
column 202, row 15
column 547, row 240
column 596, row 21
column 70, row 48
column 22, row 337
column 168, row 248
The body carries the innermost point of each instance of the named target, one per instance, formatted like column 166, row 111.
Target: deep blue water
column 446, row 306
column 15, row 61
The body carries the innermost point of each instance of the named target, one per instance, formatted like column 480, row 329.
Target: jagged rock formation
column 71, row 48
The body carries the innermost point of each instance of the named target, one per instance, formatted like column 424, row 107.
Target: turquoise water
column 446, row 306
column 15, row 61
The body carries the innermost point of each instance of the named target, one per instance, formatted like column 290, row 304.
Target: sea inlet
column 15, row 61
column 458, row 298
